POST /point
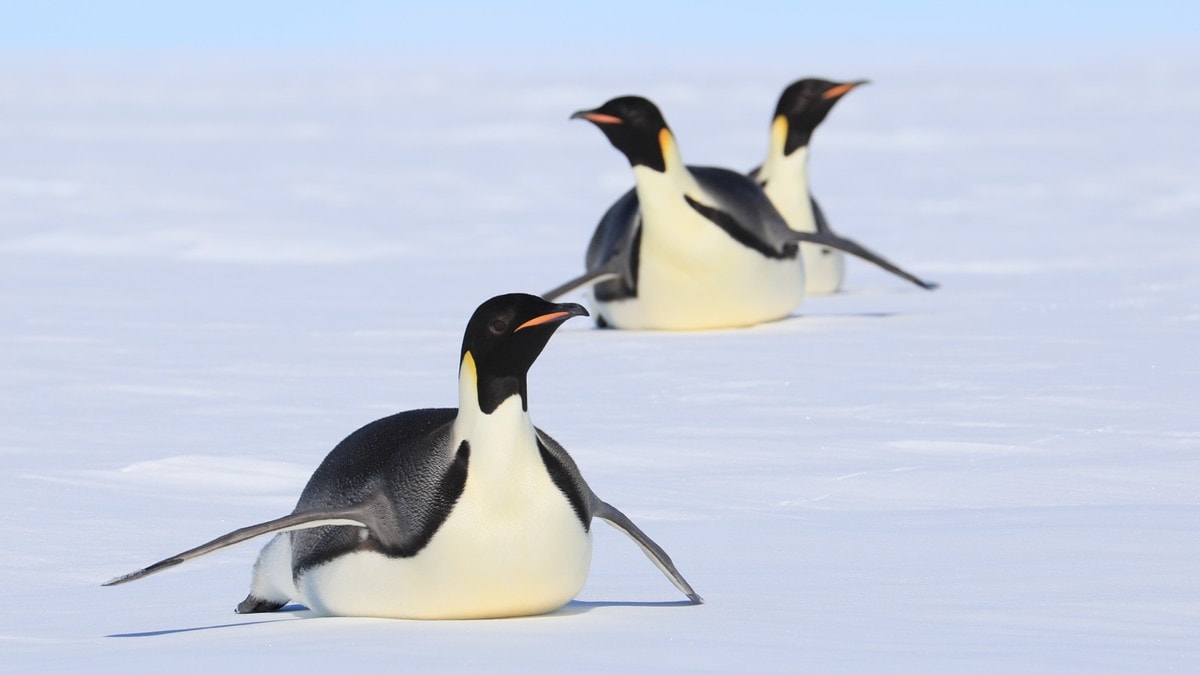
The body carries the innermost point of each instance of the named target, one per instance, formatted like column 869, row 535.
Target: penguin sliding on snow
column 690, row 247
column 443, row 513
column 784, row 177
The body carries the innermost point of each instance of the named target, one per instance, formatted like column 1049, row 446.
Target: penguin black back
column 403, row 469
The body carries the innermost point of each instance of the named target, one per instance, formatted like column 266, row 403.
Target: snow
column 210, row 275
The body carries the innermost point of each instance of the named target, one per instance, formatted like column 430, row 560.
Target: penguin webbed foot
column 253, row 605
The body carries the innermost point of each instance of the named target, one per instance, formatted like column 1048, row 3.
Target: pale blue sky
column 606, row 25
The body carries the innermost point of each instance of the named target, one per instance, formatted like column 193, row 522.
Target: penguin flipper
column 653, row 551
column 606, row 273
column 295, row 521
column 827, row 238
column 611, row 254
column 741, row 208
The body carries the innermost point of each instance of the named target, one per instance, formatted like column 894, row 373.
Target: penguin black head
column 503, row 339
column 804, row 105
column 635, row 127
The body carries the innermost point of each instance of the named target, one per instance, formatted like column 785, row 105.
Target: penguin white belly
column 823, row 269
column 477, row 566
column 706, row 280
column 735, row 296
column 512, row 546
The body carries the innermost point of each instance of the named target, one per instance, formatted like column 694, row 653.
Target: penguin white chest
column 787, row 188
column 511, row 546
column 693, row 275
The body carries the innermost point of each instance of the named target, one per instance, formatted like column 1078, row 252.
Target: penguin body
column 689, row 247
column 693, row 272
column 783, row 175
column 495, row 502
column 443, row 513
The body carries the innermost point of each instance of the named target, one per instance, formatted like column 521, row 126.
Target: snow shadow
column 584, row 606
column 174, row 631
column 570, row 609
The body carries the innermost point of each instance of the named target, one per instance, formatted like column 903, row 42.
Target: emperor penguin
column 689, row 247
column 443, row 513
column 784, row 177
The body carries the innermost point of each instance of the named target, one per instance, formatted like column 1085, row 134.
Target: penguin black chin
column 639, row 147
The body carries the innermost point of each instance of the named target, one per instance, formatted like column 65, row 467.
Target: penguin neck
column 508, row 419
column 790, row 168
column 674, row 177
column 786, row 178
column 502, row 444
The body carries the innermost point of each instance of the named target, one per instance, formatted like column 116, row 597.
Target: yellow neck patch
column 779, row 129
column 666, row 142
column 468, row 374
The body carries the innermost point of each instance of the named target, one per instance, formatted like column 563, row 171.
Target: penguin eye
column 498, row 326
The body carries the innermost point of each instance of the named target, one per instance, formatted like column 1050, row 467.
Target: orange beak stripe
column 601, row 118
column 840, row 90
column 545, row 318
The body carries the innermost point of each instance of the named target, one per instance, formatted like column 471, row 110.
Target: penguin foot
column 253, row 605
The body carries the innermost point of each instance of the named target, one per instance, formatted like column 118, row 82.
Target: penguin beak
column 597, row 117
column 841, row 90
column 565, row 311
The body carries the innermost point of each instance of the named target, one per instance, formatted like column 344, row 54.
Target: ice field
column 212, row 271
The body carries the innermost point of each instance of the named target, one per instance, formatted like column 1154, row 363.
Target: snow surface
column 211, row 272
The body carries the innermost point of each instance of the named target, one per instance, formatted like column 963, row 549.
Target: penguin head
column 634, row 126
column 503, row 338
column 804, row 105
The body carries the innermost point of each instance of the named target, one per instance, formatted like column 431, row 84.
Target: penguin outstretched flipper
column 611, row 255
column 825, row 237
column 653, row 551
column 609, row 272
column 296, row 521
column 759, row 225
